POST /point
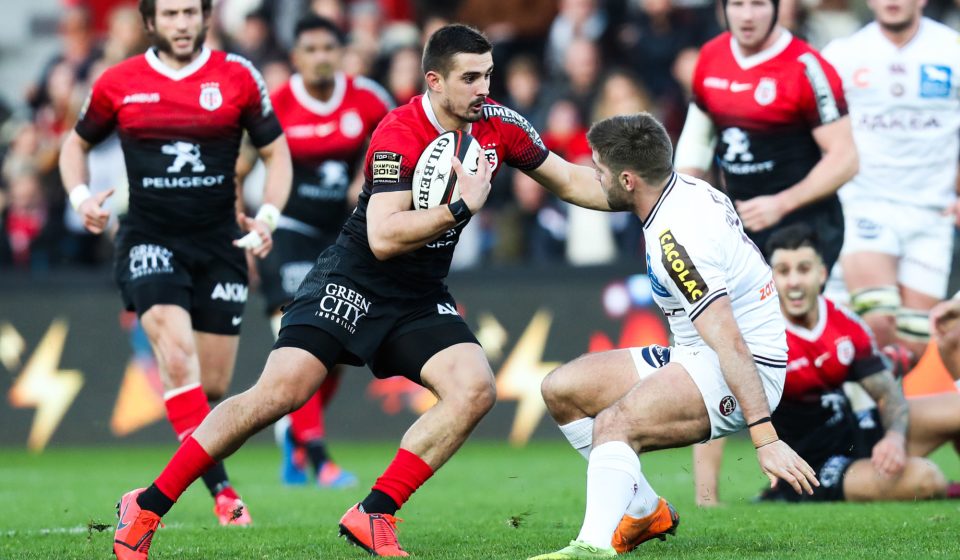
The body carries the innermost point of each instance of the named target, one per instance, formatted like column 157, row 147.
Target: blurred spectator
column 577, row 19
column 255, row 40
column 125, row 37
column 78, row 53
column 404, row 78
column 543, row 225
column 581, row 73
column 29, row 235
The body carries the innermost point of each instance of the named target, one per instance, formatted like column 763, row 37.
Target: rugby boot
column 577, row 549
column 231, row 511
column 332, row 476
column 135, row 528
column 374, row 532
column 293, row 461
column 632, row 531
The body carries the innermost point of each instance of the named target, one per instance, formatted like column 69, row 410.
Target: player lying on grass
column 725, row 372
column 827, row 346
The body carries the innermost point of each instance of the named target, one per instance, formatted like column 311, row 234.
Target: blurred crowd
column 561, row 63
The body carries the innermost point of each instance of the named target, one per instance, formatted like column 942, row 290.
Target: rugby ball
column 434, row 180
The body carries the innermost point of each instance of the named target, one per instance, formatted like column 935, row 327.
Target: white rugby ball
column 434, row 180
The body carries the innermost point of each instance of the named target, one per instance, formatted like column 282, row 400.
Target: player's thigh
column 926, row 261
column 866, row 269
column 920, row 479
column 290, row 377
column 460, row 372
column 934, row 420
column 663, row 410
column 594, row 381
column 170, row 332
column 217, row 354
column 871, row 246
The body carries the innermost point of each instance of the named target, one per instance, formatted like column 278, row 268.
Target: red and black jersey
column 504, row 136
column 814, row 415
column 326, row 141
column 180, row 131
column 765, row 107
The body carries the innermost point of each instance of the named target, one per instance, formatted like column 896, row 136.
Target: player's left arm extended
column 838, row 164
column 276, row 159
column 718, row 328
column 890, row 453
column 576, row 184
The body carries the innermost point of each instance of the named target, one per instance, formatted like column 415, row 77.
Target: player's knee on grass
column 928, row 480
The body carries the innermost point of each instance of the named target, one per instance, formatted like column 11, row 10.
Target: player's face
column 617, row 197
column 179, row 28
column 317, row 56
column 798, row 274
column 897, row 15
column 467, row 85
column 750, row 22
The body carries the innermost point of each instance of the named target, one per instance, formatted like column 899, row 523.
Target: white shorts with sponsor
column 703, row 365
column 922, row 238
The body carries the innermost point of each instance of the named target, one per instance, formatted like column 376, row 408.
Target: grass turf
column 489, row 502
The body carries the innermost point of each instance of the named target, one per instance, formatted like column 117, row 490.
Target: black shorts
column 825, row 218
column 202, row 273
column 285, row 267
column 369, row 318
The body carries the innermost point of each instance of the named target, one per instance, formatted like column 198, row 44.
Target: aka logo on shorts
column 230, row 291
column 147, row 259
column 681, row 269
column 344, row 306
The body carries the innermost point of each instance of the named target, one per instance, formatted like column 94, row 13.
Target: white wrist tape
column 268, row 214
column 78, row 195
column 250, row 241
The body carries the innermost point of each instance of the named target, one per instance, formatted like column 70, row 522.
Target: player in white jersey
column 901, row 78
column 724, row 373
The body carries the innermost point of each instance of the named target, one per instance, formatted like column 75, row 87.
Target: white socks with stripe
column 580, row 435
column 612, row 478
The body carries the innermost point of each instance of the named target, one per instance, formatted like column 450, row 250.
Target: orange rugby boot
column 231, row 511
column 374, row 532
column 135, row 528
column 632, row 532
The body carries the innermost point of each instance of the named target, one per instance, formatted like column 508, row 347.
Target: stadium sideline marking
column 77, row 530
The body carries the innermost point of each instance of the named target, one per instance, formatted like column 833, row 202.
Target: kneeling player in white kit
column 901, row 76
column 724, row 373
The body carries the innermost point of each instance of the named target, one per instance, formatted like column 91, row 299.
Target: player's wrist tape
column 78, row 195
column 460, row 210
column 268, row 214
column 763, row 420
column 763, row 434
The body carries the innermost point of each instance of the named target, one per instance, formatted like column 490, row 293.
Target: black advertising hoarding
column 74, row 369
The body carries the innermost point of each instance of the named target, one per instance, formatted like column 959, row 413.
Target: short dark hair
column 451, row 40
column 311, row 22
column 636, row 142
column 148, row 9
column 793, row 237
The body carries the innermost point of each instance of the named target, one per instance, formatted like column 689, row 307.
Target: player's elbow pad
column 697, row 141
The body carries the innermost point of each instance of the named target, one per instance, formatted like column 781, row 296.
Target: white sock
column 580, row 435
column 612, row 479
column 645, row 501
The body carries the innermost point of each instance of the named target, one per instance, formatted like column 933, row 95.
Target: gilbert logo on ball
column 434, row 180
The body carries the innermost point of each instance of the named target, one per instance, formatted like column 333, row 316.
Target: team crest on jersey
column 845, row 351
column 210, row 97
column 766, row 92
column 490, row 153
column 351, row 125
column 934, row 80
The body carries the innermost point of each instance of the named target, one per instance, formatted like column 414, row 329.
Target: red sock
column 329, row 387
column 306, row 423
column 406, row 473
column 187, row 406
column 187, row 465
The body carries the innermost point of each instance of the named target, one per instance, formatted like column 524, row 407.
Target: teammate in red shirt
column 378, row 297
column 828, row 346
column 770, row 112
column 180, row 110
column 328, row 118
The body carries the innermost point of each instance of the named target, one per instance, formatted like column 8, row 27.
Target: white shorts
column 922, row 239
column 703, row 365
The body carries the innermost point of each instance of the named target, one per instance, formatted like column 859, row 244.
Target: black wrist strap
column 460, row 210
column 763, row 420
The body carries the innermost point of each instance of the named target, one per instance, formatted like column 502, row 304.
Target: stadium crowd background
column 563, row 64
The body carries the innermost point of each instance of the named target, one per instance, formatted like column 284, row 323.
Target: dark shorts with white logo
column 202, row 273
column 348, row 311
column 282, row 271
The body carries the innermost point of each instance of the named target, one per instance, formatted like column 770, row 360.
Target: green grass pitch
column 490, row 502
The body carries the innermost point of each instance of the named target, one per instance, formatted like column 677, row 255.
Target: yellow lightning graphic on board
column 43, row 386
column 520, row 376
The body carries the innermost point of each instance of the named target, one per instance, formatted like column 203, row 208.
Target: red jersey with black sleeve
column 180, row 131
column 764, row 108
column 505, row 138
column 814, row 416
column 326, row 140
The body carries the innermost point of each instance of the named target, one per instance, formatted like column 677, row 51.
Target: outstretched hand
column 258, row 240
column 779, row 462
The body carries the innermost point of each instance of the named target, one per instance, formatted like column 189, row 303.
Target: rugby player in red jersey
column 328, row 118
column 378, row 297
column 828, row 346
column 180, row 110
